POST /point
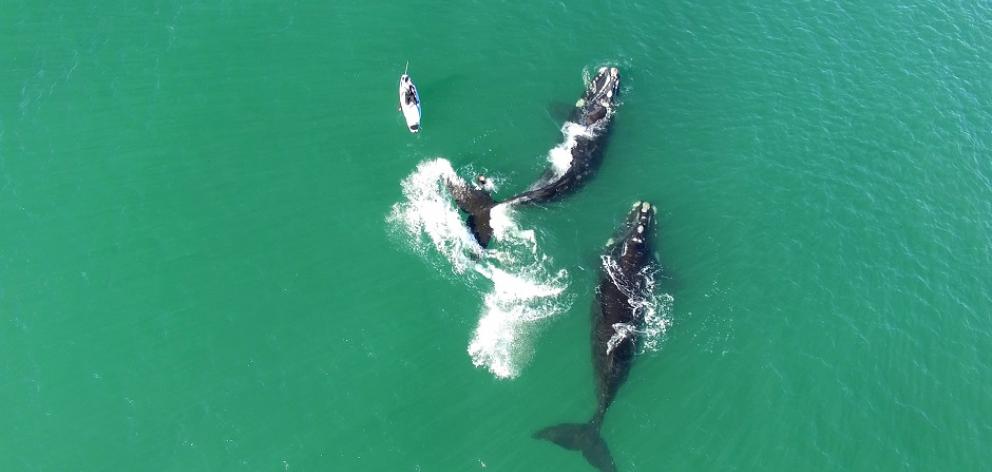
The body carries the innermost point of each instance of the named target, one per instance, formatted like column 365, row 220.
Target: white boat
column 410, row 103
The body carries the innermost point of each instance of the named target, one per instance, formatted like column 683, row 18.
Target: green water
column 197, row 273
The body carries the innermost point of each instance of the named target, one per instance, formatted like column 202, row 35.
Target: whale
column 476, row 200
column 615, row 324
column 585, row 136
column 586, row 130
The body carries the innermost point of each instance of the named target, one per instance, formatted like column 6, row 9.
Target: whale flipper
column 583, row 437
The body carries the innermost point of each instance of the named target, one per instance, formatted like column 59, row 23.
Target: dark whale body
column 614, row 339
column 477, row 202
column 594, row 111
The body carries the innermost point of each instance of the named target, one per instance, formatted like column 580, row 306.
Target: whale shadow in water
column 615, row 324
column 559, row 111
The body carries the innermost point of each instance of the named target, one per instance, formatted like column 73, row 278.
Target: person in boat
column 411, row 96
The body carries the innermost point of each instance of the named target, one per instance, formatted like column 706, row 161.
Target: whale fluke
column 478, row 223
column 582, row 437
column 477, row 202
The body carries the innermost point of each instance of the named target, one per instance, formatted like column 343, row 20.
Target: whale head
column 600, row 98
column 605, row 84
column 638, row 232
column 641, row 219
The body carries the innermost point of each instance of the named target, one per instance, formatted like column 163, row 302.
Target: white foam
column 560, row 156
column 506, row 229
column 429, row 216
column 502, row 340
column 520, row 288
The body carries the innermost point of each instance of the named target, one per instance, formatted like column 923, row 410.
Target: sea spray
column 429, row 218
column 511, row 310
column 560, row 156
column 519, row 287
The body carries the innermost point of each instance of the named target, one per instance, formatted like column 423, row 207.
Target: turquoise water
column 198, row 269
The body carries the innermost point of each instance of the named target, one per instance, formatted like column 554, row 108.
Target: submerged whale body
column 585, row 133
column 614, row 334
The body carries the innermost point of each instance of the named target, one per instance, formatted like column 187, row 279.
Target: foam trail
column 519, row 287
column 560, row 156
column 501, row 342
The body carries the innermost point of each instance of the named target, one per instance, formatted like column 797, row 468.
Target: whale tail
column 479, row 223
column 478, row 203
column 583, row 437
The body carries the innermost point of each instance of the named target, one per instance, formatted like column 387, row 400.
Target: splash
column 560, row 156
column 502, row 340
column 429, row 216
column 518, row 285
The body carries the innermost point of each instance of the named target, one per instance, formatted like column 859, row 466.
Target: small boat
column 410, row 103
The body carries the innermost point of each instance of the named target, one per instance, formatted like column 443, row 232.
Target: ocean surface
column 221, row 249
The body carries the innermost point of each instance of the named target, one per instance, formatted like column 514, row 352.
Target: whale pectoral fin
column 581, row 437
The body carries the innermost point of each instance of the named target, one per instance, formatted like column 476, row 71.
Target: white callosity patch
column 519, row 287
column 651, row 311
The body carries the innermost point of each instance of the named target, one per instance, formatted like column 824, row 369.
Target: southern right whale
column 616, row 320
column 585, row 133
